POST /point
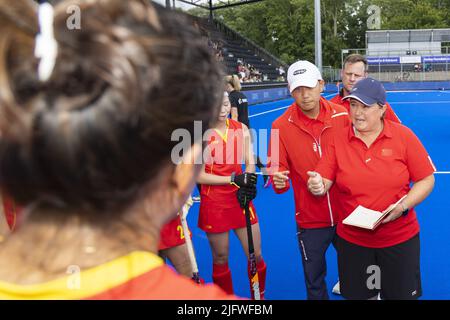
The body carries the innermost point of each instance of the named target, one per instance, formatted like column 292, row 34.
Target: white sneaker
column 337, row 288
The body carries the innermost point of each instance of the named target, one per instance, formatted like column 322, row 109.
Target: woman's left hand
column 394, row 214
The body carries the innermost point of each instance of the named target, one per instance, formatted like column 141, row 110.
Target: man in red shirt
column 301, row 139
column 373, row 163
column 354, row 69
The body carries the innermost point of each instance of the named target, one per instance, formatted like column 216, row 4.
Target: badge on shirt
column 386, row 152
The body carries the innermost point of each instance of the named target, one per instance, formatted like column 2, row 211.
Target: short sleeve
column 418, row 161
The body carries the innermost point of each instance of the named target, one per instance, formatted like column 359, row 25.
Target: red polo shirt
column 375, row 178
column 299, row 146
column 390, row 114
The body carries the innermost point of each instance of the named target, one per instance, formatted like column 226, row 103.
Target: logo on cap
column 301, row 71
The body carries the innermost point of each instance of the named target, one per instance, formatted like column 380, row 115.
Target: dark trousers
column 313, row 244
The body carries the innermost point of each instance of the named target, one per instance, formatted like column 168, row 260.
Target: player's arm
column 239, row 180
column 212, row 179
column 249, row 156
column 278, row 164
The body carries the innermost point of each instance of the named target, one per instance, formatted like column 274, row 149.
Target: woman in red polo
column 229, row 145
column 373, row 163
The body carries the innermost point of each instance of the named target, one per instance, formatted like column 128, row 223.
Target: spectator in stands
column 281, row 74
column 241, row 70
column 219, row 56
column 354, row 69
column 85, row 146
column 225, row 51
column 247, row 71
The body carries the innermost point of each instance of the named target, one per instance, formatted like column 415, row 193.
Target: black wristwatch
column 405, row 210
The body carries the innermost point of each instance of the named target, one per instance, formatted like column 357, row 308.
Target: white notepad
column 366, row 218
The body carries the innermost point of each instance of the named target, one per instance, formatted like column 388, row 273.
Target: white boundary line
column 418, row 102
column 413, row 91
column 437, row 172
column 394, row 103
column 277, row 109
column 329, row 95
column 269, row 111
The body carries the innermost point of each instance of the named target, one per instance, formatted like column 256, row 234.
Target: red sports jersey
column 138, row 276
column 219, row 208
column 172, row 234
column 375, row 178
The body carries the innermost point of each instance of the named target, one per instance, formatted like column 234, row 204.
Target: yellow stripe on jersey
column 87, row 283
column 224, row 135
column 252, row 214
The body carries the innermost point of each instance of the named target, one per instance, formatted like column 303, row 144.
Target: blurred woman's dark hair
column 100, row 128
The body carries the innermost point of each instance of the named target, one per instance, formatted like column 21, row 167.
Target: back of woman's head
column 233, row 80
column 100, row 128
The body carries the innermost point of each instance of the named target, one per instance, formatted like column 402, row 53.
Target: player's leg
column 219, row 243
column 179, row 258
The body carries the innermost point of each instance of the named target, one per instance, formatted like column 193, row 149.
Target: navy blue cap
column 368, row 91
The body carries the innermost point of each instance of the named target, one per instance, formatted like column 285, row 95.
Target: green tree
column 286, row 27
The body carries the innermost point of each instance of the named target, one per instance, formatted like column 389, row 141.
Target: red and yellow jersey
column 137, row 276
column 11, row 210
column 172, row 234
column 219, row 208
column 225, row 155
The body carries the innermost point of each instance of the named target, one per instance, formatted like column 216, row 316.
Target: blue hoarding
column 383, row 60
column 436, row 59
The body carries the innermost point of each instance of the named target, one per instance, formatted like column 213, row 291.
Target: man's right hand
column 279, row 179
column 315, row 183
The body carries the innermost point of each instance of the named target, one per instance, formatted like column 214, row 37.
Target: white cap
column 303, row 74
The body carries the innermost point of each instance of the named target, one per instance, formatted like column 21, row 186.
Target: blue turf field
column 428, row 115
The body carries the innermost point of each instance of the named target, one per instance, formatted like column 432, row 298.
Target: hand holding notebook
column 366, row 218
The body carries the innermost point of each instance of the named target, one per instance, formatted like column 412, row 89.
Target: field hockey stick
column 254, row 280
column 190, row 247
